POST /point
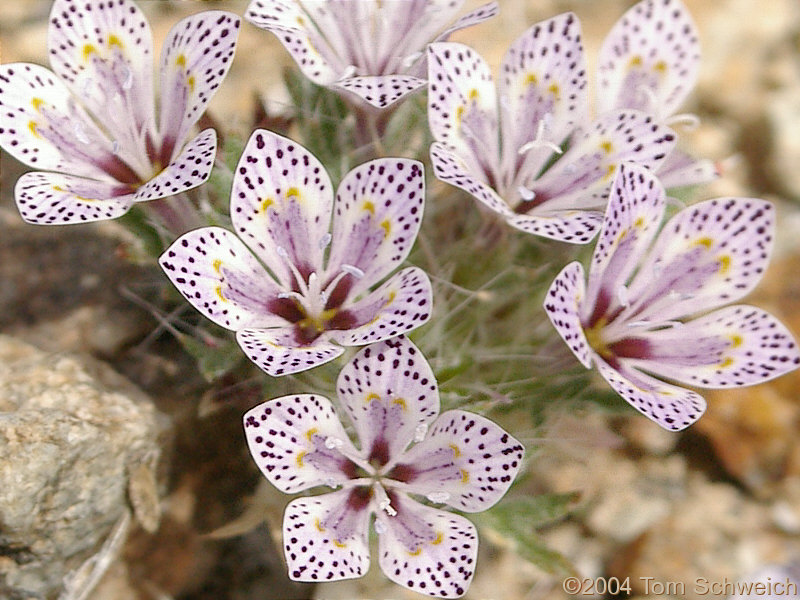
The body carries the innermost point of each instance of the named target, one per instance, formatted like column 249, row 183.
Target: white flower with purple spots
column 509, row 151
column 646, row 312
column 295, row 284
column 90, row 123
column 650, row 61
column 370, row 48
column 459, row 459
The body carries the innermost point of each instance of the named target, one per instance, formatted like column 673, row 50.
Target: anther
column 526, row 194
column 438, row 497
column 622, row 296
column 353, row 270
column 324, row 241
column 420, row 432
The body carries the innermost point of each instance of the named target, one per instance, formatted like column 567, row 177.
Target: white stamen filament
column 80, row 132
column 380, row 527
column 689, row 121
column 352, row 270
column 622, row 296
column 420, row 432
column 324, row 241
column 526, row 194
column 384, row 503
column 651, row 324
column 505, row 102
column 332, row 442
column 128, row 82
column 538, row 140
column 649, row 96
column 411, row 59
column 349, row 72
column 331, row 483
column 675, row 295
column 115, row 146
column 438, row 497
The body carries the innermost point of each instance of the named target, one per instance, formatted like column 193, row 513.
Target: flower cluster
column 308, row 271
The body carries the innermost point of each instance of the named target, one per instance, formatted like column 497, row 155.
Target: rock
column 71, row 434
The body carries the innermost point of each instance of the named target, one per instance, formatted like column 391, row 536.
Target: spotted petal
column 378, row 211
column 381, row 90
column 680, row 170
column 104, row 52
column 427, row 550
column 277, row 351
column 466, row 461
column 42, row 126
column 221, row 278
column 582, row 176
column 281, row 205
column 461, row 90
column 297, row 443
column 709, row 254
column 543, row 85
column 650, row 59
column 571, row 226
column 671, row 407
column 563, row 307
column 390, row 393
column 56, row 199
column 196, row 56
column 325, row 537
column 633, row 216
column 190, row 169
column 287, row 20
column 730, row 347
column 401, row 304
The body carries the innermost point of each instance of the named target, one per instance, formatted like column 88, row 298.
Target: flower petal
column 653, row 47
column 731, row 347
column 277, row 352
column 582, row 176
column 572, row 226
column 474, row 17
column 40, row 119
column 222, row 279
column 633, row 216
column 460, row 89
column 450, row 168
column 401, row 304
column 680, row 170
column 389, row 391
column 427, row 550
column 288, row 21
column 466, row 459
column 543, row 85
column 296, row 441
column 190, row 169
column 325, row 537
column 281, row 204
column 673, row 408
column 709, row 254
column 381, row 90
column 196, row 56
column 563, row 307
column 104, row 51
column 56, row 199
column 378, row 211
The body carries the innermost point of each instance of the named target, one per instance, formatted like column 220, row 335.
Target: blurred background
column 720, row 501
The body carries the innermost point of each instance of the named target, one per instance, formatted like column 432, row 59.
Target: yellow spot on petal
column 37, row 104
column 705, row 241
column 531, row 79
column 310, row 433
column 371, row 397
column 265, row 204
column 181, row 60
column 724, row 263
column 301, row 21
column 607, row 147
column 456, row 450
column 218, row 290
column 293, row 192
column 736, row 340
column 555, row 90
column 87, row 50
column 661, row 66
column 300, row 458
column 387, row 227
column 113, row 40
column 390, row 298
column 473, row 94
column 639, row 222
column 318, row 525
column 32, row 127
column 190, row 82
column 416, row 552
column 726, row 363
column 401, row 402
column 339, row 544
column 439, row 538
column 58, row 188
column 369, row 207
column 610, row 170
column 459, row 114
column 635, row 61
column 217, row 266
column 464, row 476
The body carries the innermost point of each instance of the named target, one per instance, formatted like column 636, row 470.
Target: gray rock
column 71, row 433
